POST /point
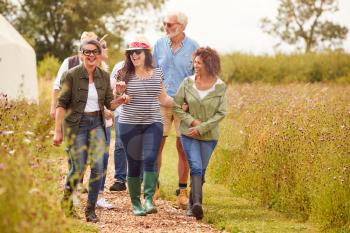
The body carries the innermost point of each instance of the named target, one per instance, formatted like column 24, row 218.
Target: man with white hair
column 173, row 54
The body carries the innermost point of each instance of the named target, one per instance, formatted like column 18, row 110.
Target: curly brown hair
column 210, row 58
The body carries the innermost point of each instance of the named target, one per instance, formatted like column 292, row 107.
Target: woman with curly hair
column 200, row 103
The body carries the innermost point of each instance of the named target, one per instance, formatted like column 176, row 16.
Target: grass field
column 282, row 163
column 225, row 209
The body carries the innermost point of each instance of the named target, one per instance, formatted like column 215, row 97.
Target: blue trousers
column 198, row 153
column 141, row 144
column 119, row 155
column 105, row 158
column 89, row 143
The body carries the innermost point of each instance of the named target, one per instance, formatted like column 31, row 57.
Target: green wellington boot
column 149, row 188
column 134, row 185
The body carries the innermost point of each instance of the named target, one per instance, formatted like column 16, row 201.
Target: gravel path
column 121, row 219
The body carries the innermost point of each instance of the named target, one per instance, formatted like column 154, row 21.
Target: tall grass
column 29, row 176
column 312, row 67
column 288, row 147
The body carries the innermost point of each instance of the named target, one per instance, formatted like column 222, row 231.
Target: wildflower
column 33, row 190
column 26, row 140
column 28, row 133
column 2, row 166
column 8, row 132
column 12, row 152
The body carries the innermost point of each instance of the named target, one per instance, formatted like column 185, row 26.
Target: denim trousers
column 89, row 143
column 119, row 156
column 198, row 153
column 141, row 144
column 105, row 158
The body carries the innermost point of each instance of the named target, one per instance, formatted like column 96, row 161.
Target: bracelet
column 118, row 95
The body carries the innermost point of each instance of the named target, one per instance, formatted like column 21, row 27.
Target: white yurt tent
column 18, row 77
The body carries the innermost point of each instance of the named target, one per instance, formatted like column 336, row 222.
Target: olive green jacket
column 74, row 93
column 210, row 110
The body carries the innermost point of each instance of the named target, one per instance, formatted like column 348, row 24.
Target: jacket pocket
column 73, row 118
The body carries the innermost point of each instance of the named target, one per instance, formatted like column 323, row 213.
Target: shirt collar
column 181, row 44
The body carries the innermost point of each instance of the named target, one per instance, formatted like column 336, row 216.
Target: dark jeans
column 89, row 143
column 198, row 153
column 119, row 155
column 141, row 144
column 105, row 158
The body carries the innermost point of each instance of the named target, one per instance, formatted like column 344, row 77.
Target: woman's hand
column 185, row 107
column 120, row 87
column 195, row 123
column 57, row 138
column 108, row 114
column 164, row 99
column 124, row 99
column 193, row 132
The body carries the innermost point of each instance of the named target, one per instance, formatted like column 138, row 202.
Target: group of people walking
column 176, row 82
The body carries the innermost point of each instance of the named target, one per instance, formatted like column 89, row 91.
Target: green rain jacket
column 210, row 110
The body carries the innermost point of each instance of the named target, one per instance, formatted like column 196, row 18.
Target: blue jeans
column 141, row 144
column 198, row 153
column 90, row 142
column 105, row 158
column 119, row 156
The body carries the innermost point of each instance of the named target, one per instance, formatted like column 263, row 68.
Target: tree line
column 54, row 26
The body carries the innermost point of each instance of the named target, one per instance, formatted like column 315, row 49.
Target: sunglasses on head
column 137, row 51
column 169, row 25
column 94, row 52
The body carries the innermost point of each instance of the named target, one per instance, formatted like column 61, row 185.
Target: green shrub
column 293, row 150
column 48, row 67
column 30, row 184
column 311, row 67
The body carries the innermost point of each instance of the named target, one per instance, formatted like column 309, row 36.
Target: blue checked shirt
column 175, row 66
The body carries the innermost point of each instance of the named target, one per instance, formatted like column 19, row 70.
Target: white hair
column 180, row 17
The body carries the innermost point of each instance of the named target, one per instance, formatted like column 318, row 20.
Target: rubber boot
column 134, row 186
column 190, row 205
column 197, row 209
column 149, row 188
column 90, row 214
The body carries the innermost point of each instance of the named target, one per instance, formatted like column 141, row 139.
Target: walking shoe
column 118, row 186
column 182, row 198
column 75, row 199
column 102, row 203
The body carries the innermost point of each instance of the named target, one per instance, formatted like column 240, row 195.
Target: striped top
column 143, row 107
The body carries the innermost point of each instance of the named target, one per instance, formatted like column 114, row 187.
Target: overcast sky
column 233, row 25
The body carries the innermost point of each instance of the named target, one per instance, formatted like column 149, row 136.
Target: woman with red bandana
column 140, row 121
